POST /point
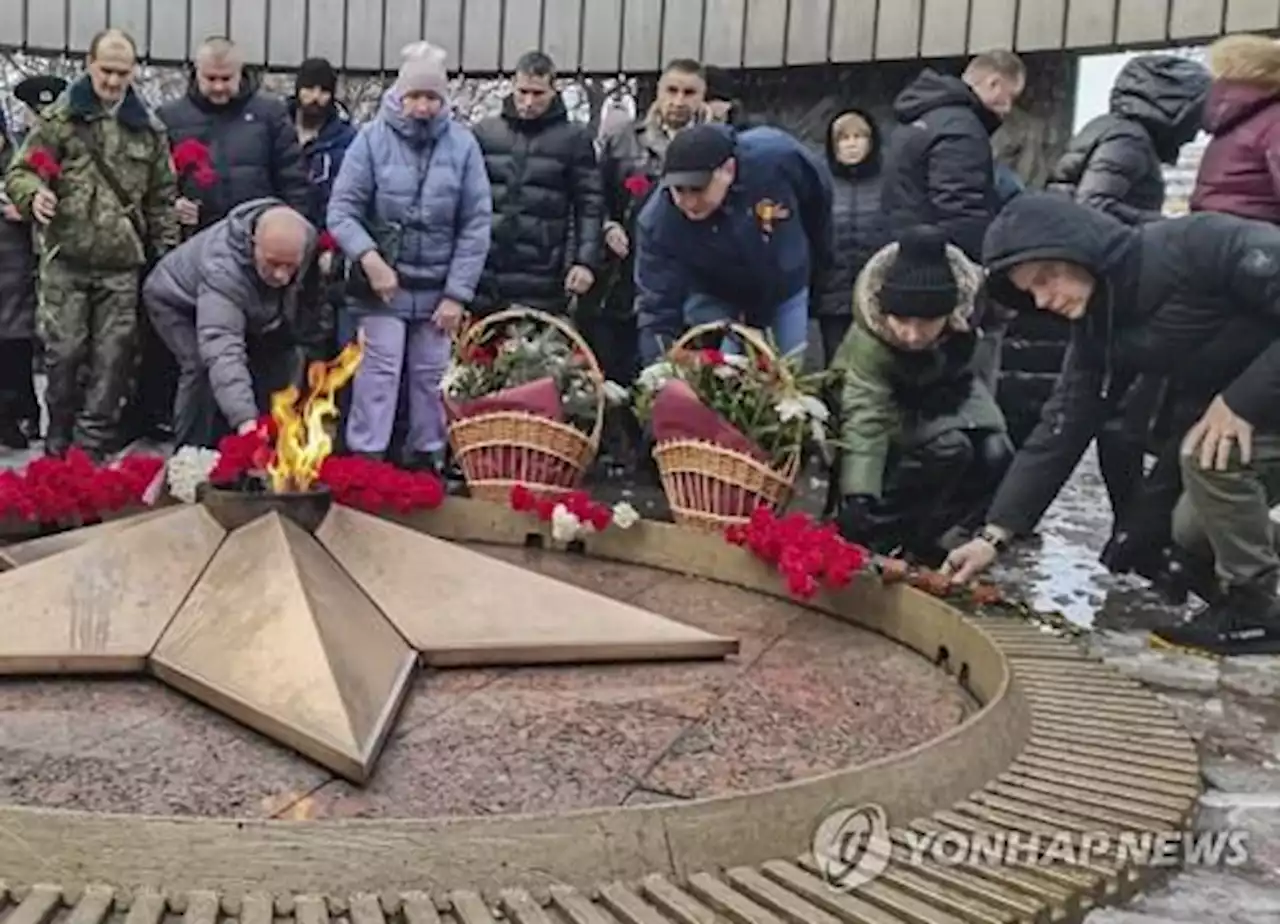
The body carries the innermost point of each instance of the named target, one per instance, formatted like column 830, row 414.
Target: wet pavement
column 1231, row 708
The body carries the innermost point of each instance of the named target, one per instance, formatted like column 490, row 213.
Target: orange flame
column 303, row 440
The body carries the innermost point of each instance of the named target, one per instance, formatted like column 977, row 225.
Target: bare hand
column 187, row 210
column 448, row 315
column 326, row 263
column 616, row 240
column 246, row 428
column 44, row 206
column 1214, row 435
column 966, row 562
column 382, row 278
column 11, row 213
column 579, row 280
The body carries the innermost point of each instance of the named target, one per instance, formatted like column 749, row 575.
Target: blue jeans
column 790, row 327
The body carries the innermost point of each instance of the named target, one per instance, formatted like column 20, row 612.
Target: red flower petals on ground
column 809, row 556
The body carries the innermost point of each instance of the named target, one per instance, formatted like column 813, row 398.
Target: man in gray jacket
column 229, row 304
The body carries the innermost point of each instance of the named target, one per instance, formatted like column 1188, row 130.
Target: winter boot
column 1245, row 621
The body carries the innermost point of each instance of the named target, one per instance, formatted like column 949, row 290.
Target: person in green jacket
column 924, row 444
column 96, row 240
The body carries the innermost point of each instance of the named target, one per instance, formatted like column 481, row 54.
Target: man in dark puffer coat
column 1115, row 162
column 249, row 133
column 548, row 200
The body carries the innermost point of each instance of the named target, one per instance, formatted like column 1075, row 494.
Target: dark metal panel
column 364, row 34
column 682, row 25
column 766, row 42
column 132, row 17
column 326, row 30
column 1091, row 23
column 442, row 26
column 404, row 25
column 723, row 32
column 209, row 17
column 1142, row 21
column 642, row 35
column 809, row 31
column 602, row 36
column 992, row 24
column 481, row 34
column 86, row 18
column 1040, row 25
column 47, row 26
column 562, row 32
column 1247, row 15
column 853, row 30
column 1195, row 18
column 521, row 31
column 249, row 29
column 287, row 32
column 944, row 28
column 170, row 33
column 898, row 29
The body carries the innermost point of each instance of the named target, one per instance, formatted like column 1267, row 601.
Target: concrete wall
column 635, row 36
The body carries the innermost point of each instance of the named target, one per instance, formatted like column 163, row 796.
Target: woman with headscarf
column 411, row 210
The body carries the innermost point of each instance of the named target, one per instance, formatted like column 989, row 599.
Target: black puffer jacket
column 1171, row 300
column 548, row 206
column 254, row 148
column 939, row 167
column 858, row 224
column 1114, row 162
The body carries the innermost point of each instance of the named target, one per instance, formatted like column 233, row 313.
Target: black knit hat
column 920, row 283
column 39, row 91
column 317, row 72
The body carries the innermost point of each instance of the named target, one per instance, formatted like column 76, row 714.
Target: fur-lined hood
column 1246, row 81
column 866, row 301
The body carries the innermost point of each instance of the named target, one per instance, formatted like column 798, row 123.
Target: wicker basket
column 710, row 487
column 499, row 450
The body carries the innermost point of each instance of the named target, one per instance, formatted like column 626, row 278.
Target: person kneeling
column 924, row 443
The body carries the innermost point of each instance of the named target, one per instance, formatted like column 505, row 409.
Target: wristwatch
column 995, row 539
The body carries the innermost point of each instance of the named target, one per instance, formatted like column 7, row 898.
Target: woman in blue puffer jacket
column 411, row 209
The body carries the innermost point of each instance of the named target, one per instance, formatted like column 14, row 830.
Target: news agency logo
column 853, row 846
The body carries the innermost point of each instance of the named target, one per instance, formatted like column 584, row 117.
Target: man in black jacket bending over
column 548, row 198
column 1160, row 299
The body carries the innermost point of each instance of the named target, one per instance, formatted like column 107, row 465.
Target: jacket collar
column 84, row 105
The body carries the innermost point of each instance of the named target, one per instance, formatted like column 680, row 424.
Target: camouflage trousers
column 88, row 321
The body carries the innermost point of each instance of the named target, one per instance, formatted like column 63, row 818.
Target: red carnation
column 45, row 164
column 190, row 154
column 638, row 185
column 326, row 243
column 204, row 176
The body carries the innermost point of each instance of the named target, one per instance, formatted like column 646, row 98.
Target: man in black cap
column 924, row 442
column 734, row 235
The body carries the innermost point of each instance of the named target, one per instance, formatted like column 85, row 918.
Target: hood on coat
column 416, row 132
column 556, row 112
column 931, row 90
column 1165, row 94
column 1246, row 80
column 1050, row 226
column 871, row 165
column 866, row 292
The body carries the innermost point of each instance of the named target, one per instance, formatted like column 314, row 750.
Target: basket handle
column 749, row 334
column 473, row 332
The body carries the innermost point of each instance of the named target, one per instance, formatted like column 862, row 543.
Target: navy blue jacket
column 731, row 255
column 323, row 157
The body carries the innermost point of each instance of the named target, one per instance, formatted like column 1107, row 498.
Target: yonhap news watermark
column 854, row 846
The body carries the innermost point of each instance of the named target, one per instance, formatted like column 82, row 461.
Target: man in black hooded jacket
column 1163, row 299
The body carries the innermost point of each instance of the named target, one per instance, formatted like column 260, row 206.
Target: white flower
column 802, row 407
column 654, row 377
column 614, row 394
column 565, row 526
column 187, row 469
column 737, row 361
column 451, row 378
column 625, row 516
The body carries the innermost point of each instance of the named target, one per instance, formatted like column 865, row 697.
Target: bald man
column 229, row 304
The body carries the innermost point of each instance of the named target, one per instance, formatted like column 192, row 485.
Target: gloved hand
column 856, row 518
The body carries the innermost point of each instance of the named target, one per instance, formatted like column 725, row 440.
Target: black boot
column 1246, row 621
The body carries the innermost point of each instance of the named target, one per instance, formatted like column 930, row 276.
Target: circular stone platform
column 807, row 694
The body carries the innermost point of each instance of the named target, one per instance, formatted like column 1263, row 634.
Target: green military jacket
column 92, row 227
column 874, row 373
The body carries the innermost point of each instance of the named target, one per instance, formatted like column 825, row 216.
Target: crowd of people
column 188, row 261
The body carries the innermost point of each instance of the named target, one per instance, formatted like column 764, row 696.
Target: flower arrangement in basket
column 525, row 400
column 729, row 428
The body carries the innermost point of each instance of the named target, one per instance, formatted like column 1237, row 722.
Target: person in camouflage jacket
column 92, row 255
